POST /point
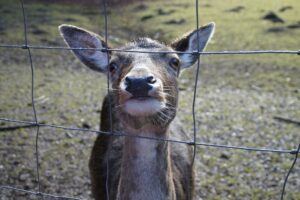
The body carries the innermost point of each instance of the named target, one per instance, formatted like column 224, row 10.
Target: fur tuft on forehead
column 143, row 43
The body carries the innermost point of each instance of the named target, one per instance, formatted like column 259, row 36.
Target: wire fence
column 37, row 124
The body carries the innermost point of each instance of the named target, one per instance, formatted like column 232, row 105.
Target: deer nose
column 139, row 87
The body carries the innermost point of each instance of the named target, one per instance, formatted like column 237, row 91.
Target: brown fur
column 180, row 161
column 130, row 167
column 173, row 170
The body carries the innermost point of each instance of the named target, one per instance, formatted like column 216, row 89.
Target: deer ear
column 188, row 43
column 77, row 37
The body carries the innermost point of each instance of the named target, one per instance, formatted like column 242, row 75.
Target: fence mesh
column 35, row 122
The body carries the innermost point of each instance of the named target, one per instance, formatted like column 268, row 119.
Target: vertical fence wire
column 104, row 3
column 35, row 122
column 196, row 83
column 195, row 87
column 32, row 96
column 289, row 172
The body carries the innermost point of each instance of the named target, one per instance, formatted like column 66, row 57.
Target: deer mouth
column 141, row 98
column 143, row 105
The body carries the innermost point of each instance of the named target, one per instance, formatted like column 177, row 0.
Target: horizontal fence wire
column 40, row 194
column 266, row 150
column 36, row 124
column 225, row 52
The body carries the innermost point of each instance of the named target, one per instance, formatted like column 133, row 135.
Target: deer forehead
column 150, row 59
column 142, row 63
column 144, row 45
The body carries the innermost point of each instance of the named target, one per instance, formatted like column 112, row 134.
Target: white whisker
column 167, row 117
column 118, row 106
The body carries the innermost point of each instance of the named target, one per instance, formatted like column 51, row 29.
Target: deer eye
column 174, row 62
column 113, row 67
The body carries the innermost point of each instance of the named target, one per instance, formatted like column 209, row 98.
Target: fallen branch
column 12, row 128
column 287, row 120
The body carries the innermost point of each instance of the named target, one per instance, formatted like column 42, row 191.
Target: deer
column 141, row 104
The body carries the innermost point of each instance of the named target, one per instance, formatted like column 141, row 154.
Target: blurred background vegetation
column 238, row 100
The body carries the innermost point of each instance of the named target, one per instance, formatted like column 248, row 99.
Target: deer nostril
column 151, row 79
column 128, row 81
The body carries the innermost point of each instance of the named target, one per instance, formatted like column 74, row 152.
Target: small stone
column 26, row 187
column 98, row 111
column 69, row 135
column 146, row 17
column 86, row 125
column 24, row 177
column 225, row 156
column 16, row 162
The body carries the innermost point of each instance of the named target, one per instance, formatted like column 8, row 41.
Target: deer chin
column 143, row 106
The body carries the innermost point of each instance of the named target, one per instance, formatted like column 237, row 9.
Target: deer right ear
column 190, row 43
column 77, row 37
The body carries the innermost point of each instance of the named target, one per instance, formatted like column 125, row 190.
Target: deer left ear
column 189, row 43
column 77, row 37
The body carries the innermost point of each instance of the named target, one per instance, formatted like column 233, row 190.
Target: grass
column 238, row 96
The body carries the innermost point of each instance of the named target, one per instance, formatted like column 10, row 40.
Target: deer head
column 144, row 85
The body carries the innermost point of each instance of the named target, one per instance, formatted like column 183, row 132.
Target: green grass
column 238, row 95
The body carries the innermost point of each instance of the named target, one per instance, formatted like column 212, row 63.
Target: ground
column 237, row 98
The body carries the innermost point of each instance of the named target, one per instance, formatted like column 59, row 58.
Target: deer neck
column 146, row 167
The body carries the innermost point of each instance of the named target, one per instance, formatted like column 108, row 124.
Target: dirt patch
column 161, row 11
column 175, row 21
column 273, row 17
column 276, row 29
column 140, row 7
column 285, row 8
column 294, row 26
column 147, row 17
column 236, row 9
